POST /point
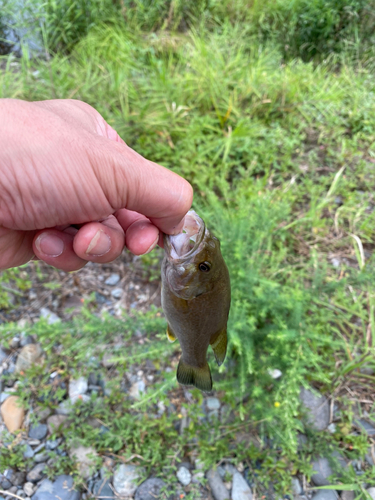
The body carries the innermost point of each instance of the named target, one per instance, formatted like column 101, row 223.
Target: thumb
column 143, row 186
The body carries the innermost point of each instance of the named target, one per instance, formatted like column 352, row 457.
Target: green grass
column 281, row 154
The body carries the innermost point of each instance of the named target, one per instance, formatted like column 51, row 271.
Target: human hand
column 62, row 165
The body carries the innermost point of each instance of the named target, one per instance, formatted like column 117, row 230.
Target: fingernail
column 50, row 245
column 99, row 245
column 151, row 247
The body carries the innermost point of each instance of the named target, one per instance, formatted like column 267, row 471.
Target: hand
column 72, row 191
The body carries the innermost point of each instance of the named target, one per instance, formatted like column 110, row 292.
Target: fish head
column 193, row 259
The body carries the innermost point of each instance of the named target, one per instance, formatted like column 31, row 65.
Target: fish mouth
column 181, row 246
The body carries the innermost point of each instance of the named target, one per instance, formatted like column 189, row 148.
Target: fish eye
column 204, row 267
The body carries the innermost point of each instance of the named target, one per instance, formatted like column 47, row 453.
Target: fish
column 196, row 299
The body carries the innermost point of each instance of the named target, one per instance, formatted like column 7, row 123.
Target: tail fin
column 191, row 375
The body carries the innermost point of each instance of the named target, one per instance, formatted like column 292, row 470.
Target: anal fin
column 192, row 375
column 171, row 336
column 219, row 343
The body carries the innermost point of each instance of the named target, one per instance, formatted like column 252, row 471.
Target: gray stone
column 348, row 495
column 371, row 492
column 102, row 488
column 50, row 316
column 217, row 486
column 41, row 457
column 317, row 409
column 150, row 489
column 184, row 476
column 85, row 457
column 3, row 356
column 212, row 403
column 125, row 479
column 325, row 495
column 117, row 293
column 56, row 422
column 112, row 280
column 4, row 395
column 29, row 355
column 52, row 444
column 38, row 431
column 64, row 408
column 364, row 426
column 296, row 486
column 322, row 470
column 240, row 489
column 29, row 488
column 5, row 482
column 60, row 489
column 370, row 455
column 36, row 473
column 29, row 452
column 77, row 387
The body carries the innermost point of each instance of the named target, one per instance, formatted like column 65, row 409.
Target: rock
column 50, row 316
column 38, row 431
column 296, row 486
column 60, row 489
column 30, row 354
column 348, row 495
column 56, row 423
column 29, row 452
column 331, row 428
column 322, row 470
column 36, row 473
column 212, row 403
column 12, row 413
column 41, row 457
column 3, row 356
column 184, row 476
column 125, row 479
column 102, row 488
column 150, row 489
column 112, row 280
column 370, row 455
column 117, row 293
column 4, row 395
column 317, row 409
column 275, row 373
column 28, row 488
column 371, row 492
column 86, row 459
column 42, row 413
column 217, row 486
column 364, row 426
column 240, row 489
column 5, row 479
column 325, row 495
column 52, row 444
column 77, row 387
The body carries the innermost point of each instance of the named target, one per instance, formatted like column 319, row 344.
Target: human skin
column 72, row 191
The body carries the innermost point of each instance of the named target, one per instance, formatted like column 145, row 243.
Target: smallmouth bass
column 195, row 299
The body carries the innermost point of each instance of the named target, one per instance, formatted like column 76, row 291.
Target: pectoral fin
column 219, row 343
column 171, row 336
column 191, row 375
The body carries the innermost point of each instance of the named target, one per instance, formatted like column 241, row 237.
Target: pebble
column 4, row 395
column 60, row 489
column 41, row 457
column 50, row 316
column 112, row 280
column 36, row 473
column 38, row 431
column 117, row 293
column 240, row 489
column 322, row 470
column 370, row 455
column 331, row 428
column 296, row 486
column 125, row 479
column 52, row 444
column 29, row 489
column 348, row 495
column 217, row 486
column 150, row 489
column 275, row 373
column 365, row 427
column 77, row 387
column 325, row 495
column 56, row 422
column 29, row 452
column 86, row 459
column 12, row 413
column 30, row 354
column 184, row 476
column 371, row 492
column 102, row 488
column 3, row 356
column 317, row 409
column 212, row 403
column 5, row 482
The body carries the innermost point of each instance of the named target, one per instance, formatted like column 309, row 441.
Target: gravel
column 38, row 431
column 218, row 489
column 184, row 476
column 240, row 489
column 125, row 479
column 317, row 408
